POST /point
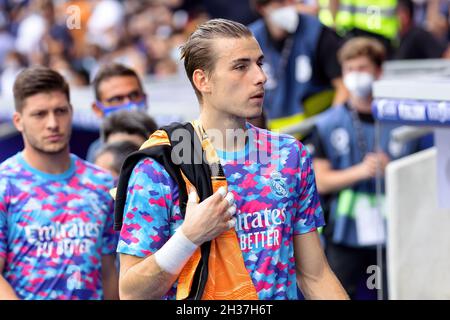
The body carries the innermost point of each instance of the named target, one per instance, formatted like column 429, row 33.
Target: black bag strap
column 173, row 158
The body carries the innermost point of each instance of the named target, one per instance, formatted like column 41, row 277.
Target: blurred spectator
column 57, row 38
column 236, row 10
column 105, row 25
column 436, row 17
column 6, row 39
column 415, row 42
column 61, row 64
column 30, row 32
column 128, row 55
column 116, row 88
column 13, row 64
column 347, row 162
column 78, row 36
column 177, row 39
column 351, row 18
column 300, row 63
column 134, row 126
column 122, row 133
column 112, row 155
column 77, row 14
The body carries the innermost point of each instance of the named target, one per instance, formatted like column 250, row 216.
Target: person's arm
column 110, row 278
column 315, row 278
column 144, row 232
column 341, row 93
column 328, row 179
column 331, row 180
column 6, row 291
column 143, row 278
column 151, row 258
column 148, row 278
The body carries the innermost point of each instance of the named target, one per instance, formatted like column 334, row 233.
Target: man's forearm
column 324, row 287
column 145, row 281
column 6, row 291
column 341, row 93
column 110, row 278
column 335, row 180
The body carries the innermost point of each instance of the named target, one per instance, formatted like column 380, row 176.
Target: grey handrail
column 302, row 128
column 405, row 134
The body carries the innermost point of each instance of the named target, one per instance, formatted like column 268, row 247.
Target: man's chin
column 254, row 115
column 53, row 150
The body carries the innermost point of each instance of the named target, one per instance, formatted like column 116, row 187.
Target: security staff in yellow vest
column 362, row 17
column 304, row 77
column 327, row 12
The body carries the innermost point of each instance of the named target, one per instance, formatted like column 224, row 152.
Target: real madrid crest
column 278, row 184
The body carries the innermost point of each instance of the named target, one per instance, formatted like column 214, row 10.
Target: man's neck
column 228, row 133
column 277, row 37
column 361, row 105
column 48, row 163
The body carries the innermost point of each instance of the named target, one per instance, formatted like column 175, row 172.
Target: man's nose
column 52, row 121
column 260, row 77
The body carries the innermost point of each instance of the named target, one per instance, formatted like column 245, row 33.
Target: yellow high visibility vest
column 313, row 105
column 375, row 16
column 325, row 15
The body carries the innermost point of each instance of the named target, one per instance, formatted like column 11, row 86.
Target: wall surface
column 418, row 230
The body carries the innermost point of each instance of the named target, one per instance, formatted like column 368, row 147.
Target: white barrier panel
column 418, row 230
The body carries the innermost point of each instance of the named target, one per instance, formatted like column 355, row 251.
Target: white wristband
column 174, row 254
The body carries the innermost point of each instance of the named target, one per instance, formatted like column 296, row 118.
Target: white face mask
column 285, row 18
column 359, row 83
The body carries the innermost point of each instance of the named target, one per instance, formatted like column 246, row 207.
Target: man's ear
column 17, row 121
column 98, row 112
column 201, row 81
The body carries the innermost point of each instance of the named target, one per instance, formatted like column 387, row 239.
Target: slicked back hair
column 198, row 52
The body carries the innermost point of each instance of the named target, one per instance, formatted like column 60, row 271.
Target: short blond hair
column 363, row 47
column 198, row 53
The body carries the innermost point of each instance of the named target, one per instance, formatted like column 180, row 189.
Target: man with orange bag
column 218, row 208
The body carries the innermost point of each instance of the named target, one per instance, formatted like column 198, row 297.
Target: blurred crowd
column 75, row 37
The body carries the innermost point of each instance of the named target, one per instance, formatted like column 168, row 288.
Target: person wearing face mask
column 116, row 88
column 304, row 76
column 348, row 160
